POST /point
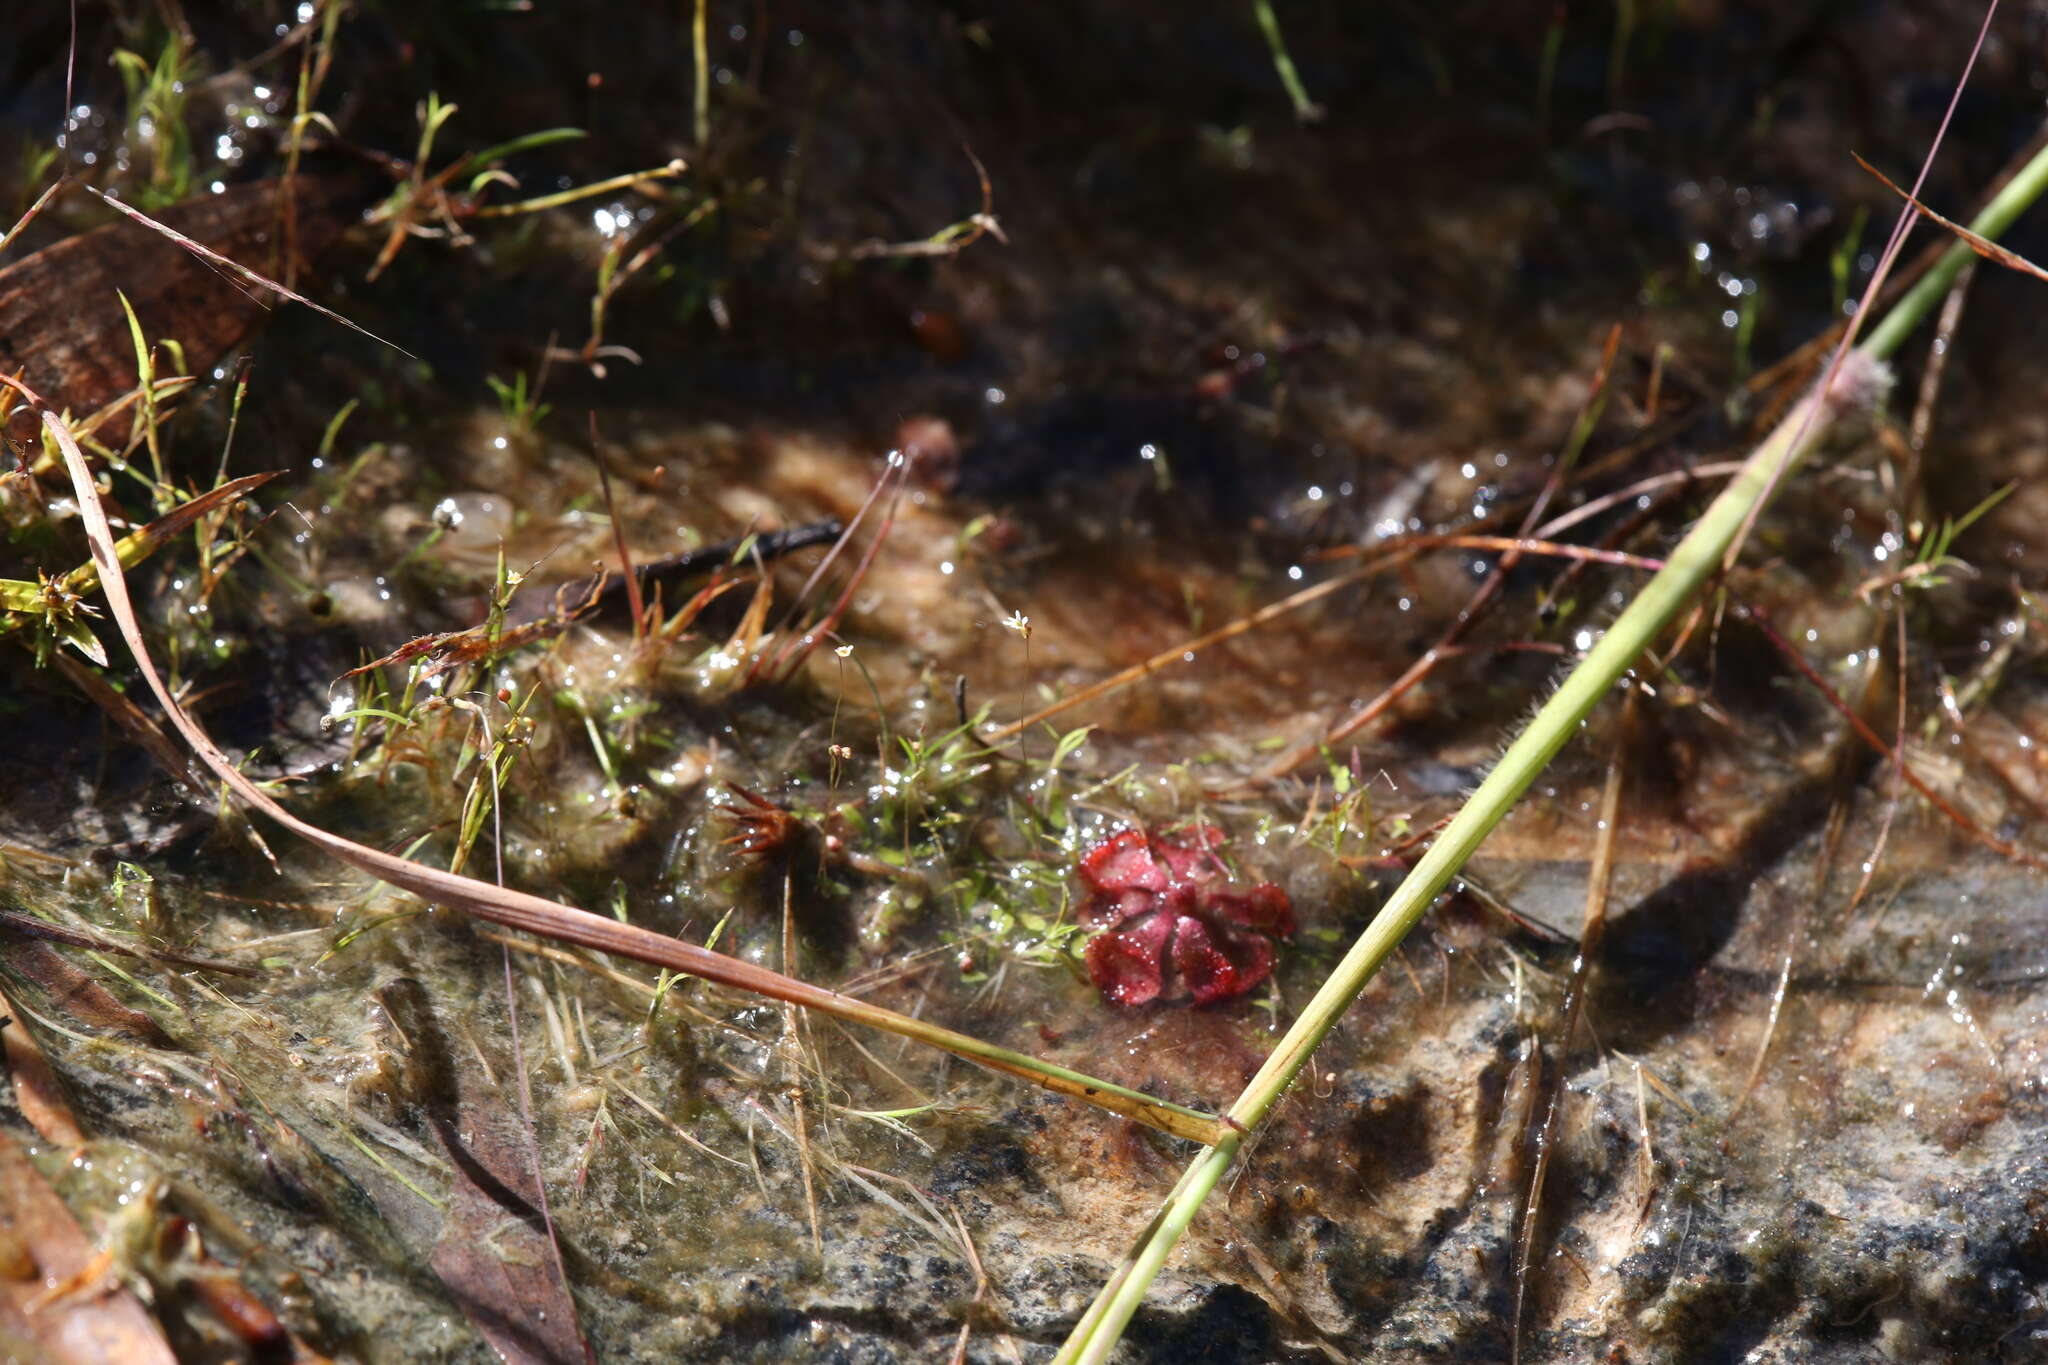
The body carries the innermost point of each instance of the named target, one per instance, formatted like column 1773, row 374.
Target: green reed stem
column 1695, row 560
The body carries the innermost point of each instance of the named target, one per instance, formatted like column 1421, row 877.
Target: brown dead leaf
column 61, row 319
column 38, row 1235
column 37, row 1091
column 69, row 991
column 494, row 1253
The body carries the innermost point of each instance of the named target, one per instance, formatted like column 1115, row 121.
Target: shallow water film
column 962, row 553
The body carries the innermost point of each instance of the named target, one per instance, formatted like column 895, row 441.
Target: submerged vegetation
column 789, row 550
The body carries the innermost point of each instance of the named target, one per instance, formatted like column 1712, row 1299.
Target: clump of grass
column 520, row 405
column 158, row 92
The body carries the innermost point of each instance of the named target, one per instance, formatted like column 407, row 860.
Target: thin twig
column 792, row 1043
column 1599, row 883
column 1488, row 592
column 2002, row 847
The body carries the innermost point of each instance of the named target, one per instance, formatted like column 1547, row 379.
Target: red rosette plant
column 1169, row 923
